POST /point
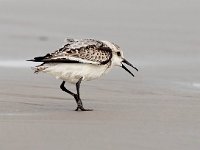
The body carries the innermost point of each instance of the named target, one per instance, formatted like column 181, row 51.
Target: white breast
column 73, row 72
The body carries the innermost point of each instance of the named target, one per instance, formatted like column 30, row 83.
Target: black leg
column 76, row 96
column 78, row 99
column 62, row 86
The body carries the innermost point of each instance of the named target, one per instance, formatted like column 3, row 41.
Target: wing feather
column 79, row 51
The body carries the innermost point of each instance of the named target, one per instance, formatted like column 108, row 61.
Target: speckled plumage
column 82, row 51
column 87, row 58
column 81, row 60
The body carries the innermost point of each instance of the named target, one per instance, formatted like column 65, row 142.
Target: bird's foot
column 82, row 109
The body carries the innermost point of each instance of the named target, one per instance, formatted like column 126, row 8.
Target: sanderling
column 81, row 60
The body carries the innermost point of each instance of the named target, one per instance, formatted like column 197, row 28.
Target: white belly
column 73, row 72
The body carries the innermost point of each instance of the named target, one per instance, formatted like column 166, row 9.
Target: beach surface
column 158, row 109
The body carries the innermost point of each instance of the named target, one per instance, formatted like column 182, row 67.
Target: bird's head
column 118, row 57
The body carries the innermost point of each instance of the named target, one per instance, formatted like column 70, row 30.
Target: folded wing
column 79, row 51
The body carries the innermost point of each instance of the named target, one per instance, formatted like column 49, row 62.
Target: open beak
column 128, row 63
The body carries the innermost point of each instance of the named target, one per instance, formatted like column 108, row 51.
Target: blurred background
column 151, row 33
column 158, row 109
column 148, row 31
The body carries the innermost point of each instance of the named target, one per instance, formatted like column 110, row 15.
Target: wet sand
column 145, row 113
column 158, row 109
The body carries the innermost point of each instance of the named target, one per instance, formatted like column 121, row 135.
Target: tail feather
column 37, row 59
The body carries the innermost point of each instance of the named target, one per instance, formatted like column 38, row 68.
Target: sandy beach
column 159, row 109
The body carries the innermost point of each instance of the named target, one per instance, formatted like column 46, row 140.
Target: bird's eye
column 118, row 54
